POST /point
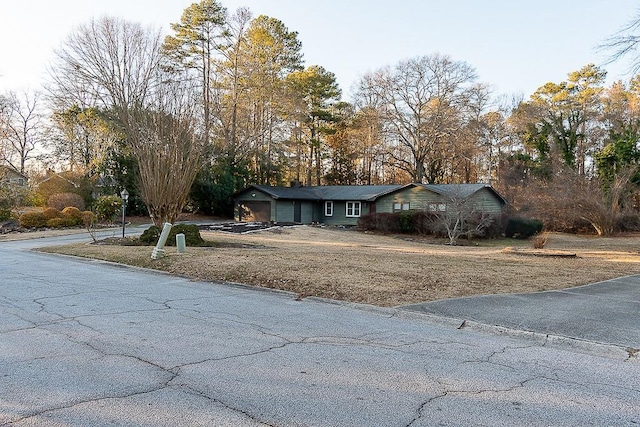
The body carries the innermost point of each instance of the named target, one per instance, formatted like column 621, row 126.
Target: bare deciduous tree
column 118, row 64
column 22, row 129
column 109, row 61
column 424, row 103
column 168, row 145
column 624, row 44
column 459, row 215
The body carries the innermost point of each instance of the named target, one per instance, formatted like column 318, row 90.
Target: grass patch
column 382, row 270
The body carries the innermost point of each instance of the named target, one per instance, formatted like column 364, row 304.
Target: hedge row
column 423, row 222
column 70, row 216
column 420, row 222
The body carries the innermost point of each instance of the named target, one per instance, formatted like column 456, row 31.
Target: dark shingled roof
column 300, row 193
column 329, row 192
column 366, row 192
column 460, row 190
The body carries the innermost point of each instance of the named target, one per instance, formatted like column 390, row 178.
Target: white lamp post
column 125, row 197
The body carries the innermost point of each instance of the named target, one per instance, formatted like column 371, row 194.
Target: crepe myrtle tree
column 458, row 216
column 166, row 140
column 116, row 65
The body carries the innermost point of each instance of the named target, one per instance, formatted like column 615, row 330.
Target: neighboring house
column 344, row 204
column 11, row 176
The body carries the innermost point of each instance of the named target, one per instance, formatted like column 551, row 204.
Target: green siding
column 339, row 216
column 486, row 201
column 417, row 197
column 420, row 198
column 284, row 211
column 253, row 194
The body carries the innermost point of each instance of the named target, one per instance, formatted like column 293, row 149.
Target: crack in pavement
column 447, row 392
column 199, row 393
column 79, row 402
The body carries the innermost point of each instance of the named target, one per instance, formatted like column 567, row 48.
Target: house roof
column 300, row 193
column 10, row 169
column 356, row 192
column 330, row 192
column 461, row 190
column 367, row 193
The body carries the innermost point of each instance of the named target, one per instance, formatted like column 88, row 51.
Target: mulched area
column 242, row 227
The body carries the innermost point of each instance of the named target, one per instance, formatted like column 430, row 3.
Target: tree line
column 226, row 100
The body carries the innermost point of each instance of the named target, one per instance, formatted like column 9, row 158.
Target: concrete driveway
column 601, row 313
column 85, row 343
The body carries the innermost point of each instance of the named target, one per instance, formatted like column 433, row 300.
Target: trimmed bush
column 73, row 214
column 151, row 235
column 62, row 200
column 51, row 213
column 5, row 214
column 60, row 222
column 191, row 233
column 523, row 228
column 107, row 207
column 32, row 220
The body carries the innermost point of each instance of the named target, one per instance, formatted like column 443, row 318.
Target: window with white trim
column 353, row 209
column 328, row 208
column 401, row 206
column 434, row 207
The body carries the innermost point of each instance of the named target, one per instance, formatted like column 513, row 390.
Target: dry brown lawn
column 383, row 270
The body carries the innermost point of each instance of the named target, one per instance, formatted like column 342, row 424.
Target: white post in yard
column 181, row 243
column 158, row 251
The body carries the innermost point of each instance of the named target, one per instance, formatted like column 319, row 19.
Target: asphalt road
column 600, row 313
column 86, row 343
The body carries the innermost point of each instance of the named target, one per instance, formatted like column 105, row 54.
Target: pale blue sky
column 515, row 45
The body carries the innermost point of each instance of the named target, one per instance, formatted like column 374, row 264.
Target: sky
column 515, row 46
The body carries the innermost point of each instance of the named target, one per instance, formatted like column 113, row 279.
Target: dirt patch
column 383, row 270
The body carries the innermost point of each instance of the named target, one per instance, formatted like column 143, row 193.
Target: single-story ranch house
column 344, row 204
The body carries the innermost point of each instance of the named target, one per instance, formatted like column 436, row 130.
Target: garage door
column 255, row 211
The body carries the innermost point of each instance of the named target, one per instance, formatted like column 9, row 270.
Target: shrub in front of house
column 107, row 208
column 73, row 215
column 191, row 234
column 151, row 235
column 60, row 222
column 408, row 222
column 523, row 228
column 51, row 213
column 5, row 213
column 62, row 200
column 495, row 229
column 425, row 222
column 382, row 222
column 32, row 220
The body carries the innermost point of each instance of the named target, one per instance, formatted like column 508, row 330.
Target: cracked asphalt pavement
column 86, row 343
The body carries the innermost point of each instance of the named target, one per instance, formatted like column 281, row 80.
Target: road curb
column 610, row 351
